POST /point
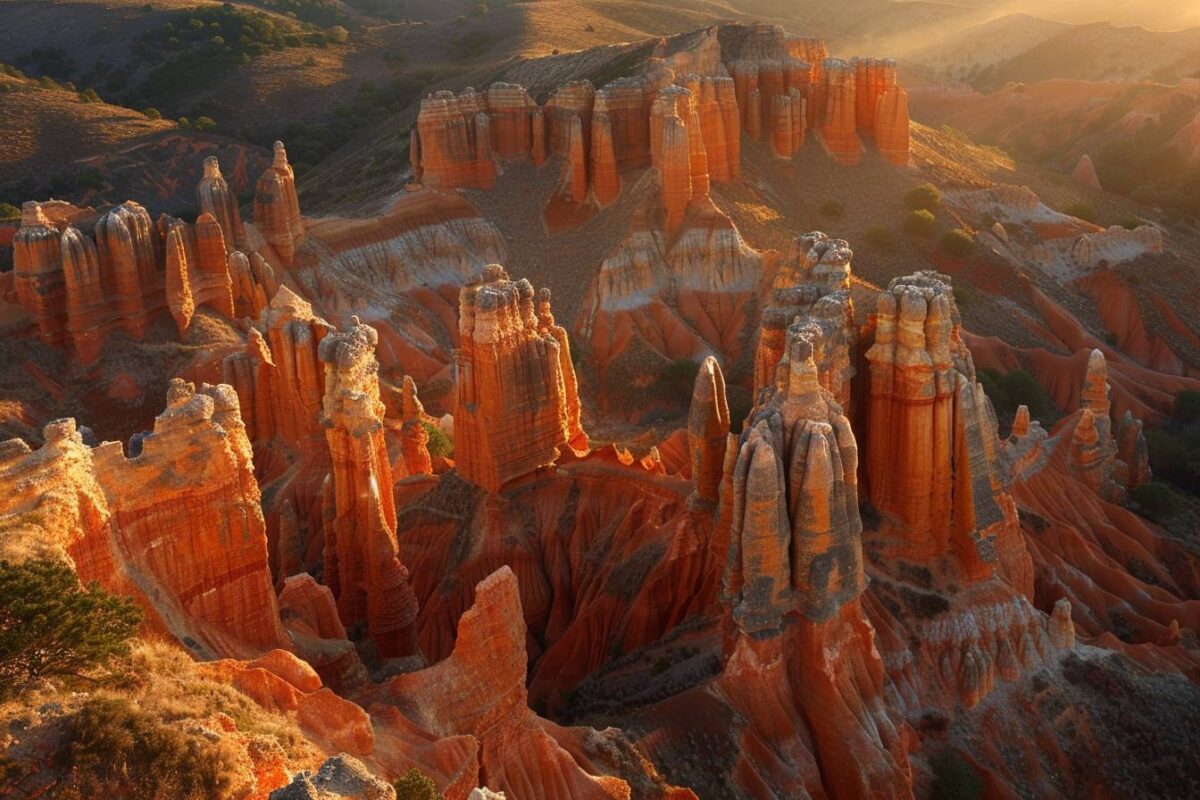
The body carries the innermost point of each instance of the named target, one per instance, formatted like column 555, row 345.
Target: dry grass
column 162, row 685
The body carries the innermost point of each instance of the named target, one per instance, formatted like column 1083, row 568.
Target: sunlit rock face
column 517, row 405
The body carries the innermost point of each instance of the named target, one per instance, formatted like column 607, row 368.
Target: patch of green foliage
column 115, row 748
column 953, row 778
column 1159, row 502
column 1175, row 447
column 52, row 61
column 925, row 197
column 472, row 44
column 439, row 443
column 416, row 785
column 921, row 223
column 1081, row 210
column 51, row 626
column 200, row 45
column 1017, row 388
column 958, row 243
column 9, row 212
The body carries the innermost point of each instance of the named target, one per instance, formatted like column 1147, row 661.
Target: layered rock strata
column 361, row 567
column 277, row 208
column 82, row 276
column 218, row 201
column 931, row 435
column 177, row 525
column 514, row 411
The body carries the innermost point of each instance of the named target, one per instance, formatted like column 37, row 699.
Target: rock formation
column 708, row 428
column 277, row 209
column 1085, row 172
column 479, row 690
column 837, row 121
column 37, row 273
column 82, row 276
column 369, row 582
column 178, row 524
column 931, row 435
column 514, row 411
column 197, row 272
column 813, row 283
column 220, row 203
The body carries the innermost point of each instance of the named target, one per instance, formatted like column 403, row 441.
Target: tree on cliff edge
column 51, row 626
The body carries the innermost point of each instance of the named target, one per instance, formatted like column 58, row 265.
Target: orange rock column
column 37, row 273
column 217, row 200
column 512, row 413
column 361, row 567
column 931, row 432
column 837, row 120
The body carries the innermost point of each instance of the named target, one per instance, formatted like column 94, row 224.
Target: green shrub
column 90, row 178
column 151, row 113
column 338, row 34
column 881, row 237
column 921, row 223
column 416, row 785
column 953, row 778
column 117, row 749
column 958, row 243
column 205, row 124
column 1017, row 388
column 50, row 626
column 439, row 443
column 1081, row 210
column 89, row 96
column 1186, row 408
column 832, row 209
column 9, row 212
column 1158, row 501
column 925, row 197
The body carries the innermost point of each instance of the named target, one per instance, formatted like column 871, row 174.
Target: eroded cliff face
column 785, row 604
column 517, row 403
column 683, row 113
column 360, row 564
column 177, row 524
column 81, row 275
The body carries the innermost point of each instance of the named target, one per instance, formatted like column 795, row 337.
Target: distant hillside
column 1024, row 48
column 1144, row 138
column 57, row 143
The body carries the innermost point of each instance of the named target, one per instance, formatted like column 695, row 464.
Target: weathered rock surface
column 480, row 690
column 931, row 437
column 361, row 568
column 514, row 412
column 178, row 525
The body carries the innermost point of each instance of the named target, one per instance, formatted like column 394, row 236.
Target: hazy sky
column 1154, row 14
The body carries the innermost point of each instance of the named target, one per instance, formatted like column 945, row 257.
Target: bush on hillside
column 1081, row 210
column 1017, row 388
column 953, row 778
column 115, row 748
column 925, row 197
column 51, row 626
column 1158, row 501
column 958, row 243
column 9, row 212
column 439, row 443
column 416, row 785
column 921, row 223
